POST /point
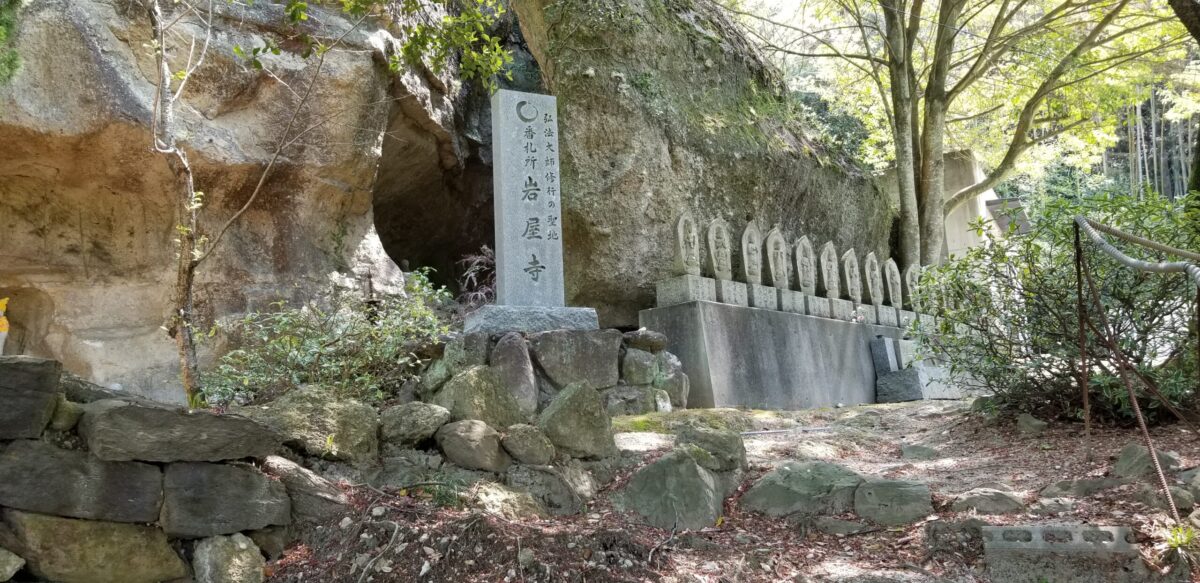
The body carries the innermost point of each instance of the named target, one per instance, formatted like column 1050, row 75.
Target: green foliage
column 361, row 349
column 1181, row 537
column 1009, row 318
column 9, row 60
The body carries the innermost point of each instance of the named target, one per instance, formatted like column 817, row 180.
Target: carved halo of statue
column 687, row 245
column 851, row 277
column 830, row 283
column 806, row 268
column 778, row 263
column 752, row 240
column 891, row 275
column 873, row 279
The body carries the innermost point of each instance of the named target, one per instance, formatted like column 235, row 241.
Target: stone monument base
column 493, row 319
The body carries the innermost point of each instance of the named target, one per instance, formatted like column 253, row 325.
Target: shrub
column 360, row 348
column 1009, row 319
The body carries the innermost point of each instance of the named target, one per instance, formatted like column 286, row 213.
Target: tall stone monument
column 529, row 256
column 687, row 285
column 720, row 264
column 760, row 295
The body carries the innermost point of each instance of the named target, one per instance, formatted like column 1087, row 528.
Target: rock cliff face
column 664, row 106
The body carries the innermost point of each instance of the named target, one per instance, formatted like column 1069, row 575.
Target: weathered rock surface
column 647, row 340
column 10, row 563
column 514, row 367
column 672, row 379
column 228, row 559
column 411, row 423
column 1080, row 488
column 631, row 400
column 476, row 393
column 619, row 146
column 69, row 550
column 918, row 452
column 1151, row 495
column 90, row 275
column 201, row 500
column 273, row 540
column 899, row 387
column 639, row 367
column 561, row 489
column 830, row 525
column 892, row 502
column 29, row 390
column 577, row 424
column 988, row 501
column 587, row 357
column 405, row 467
column 473, row 445
column 66, row 415
column 121, row 431
column 673, row 493
column 460, row 353
column 39, row 477
column 508, row 503
column 726, row 450
column 528, row 445
column 321, row 424
column 314, row 499
column 1135, row 462
column 1029, row 425
column 805, row 489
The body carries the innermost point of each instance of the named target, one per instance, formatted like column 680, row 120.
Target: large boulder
column 673, row 493
column 201, row 500
column 411, row 423
column 10, row 563
column 460, row 353
column 892, row 502
column 476, row 393
column 29, row 390
column 405, row 467
column 1135, row 462
column 562, row 490
column 314, row 499
column 988, row 501
column 639, row 367
column 630, row 400
column 473, row 445
column 726, row 450
column 805, row 489
column 587, row 357
column 122, row 431
column 319, row 423
column 1029, row 425
column 39, row 477
column 647, row 340
column 512, row 364
column 1079, row 488
column 671, row 378
column 577, row 423
column 69, row 550
column 228, row 559
column 528, row 445
column 503, row 501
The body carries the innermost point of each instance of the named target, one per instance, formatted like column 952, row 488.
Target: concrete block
column 841, row 310
column 865, row 314
column 732, row 292
column 1065, row 554
column 494, row 319
column 817, row 306
column 686, row 288
column 733, row 356
column 791, row 301
column 762, row 296
column 887, row 316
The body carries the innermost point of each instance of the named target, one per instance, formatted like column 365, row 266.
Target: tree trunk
column 903, row 105
column 933, row 158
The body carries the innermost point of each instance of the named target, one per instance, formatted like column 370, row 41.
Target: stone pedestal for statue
column 866, row 314
column 886, row 316
column 817, row 306
column 841, row 310
column 762, row 296
column 732, row 292
column 494, row 319
column 791, row 301
column 685, row 288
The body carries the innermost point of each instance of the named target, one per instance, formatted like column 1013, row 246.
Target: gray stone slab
column 494, row 319
column 884, row 355
column 1065, row 554
column 817, row 306
column 887, row 316
column 791, row 301
column 740, row 357
column 762, row 296
column 899, row 387
column 529, row 265
column 686, row 288
column 732, row 292
column 907, row 351
column 29, row 390
column 841, row 310
column 865, row 314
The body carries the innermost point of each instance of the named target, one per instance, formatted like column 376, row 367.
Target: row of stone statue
column 824, row 274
